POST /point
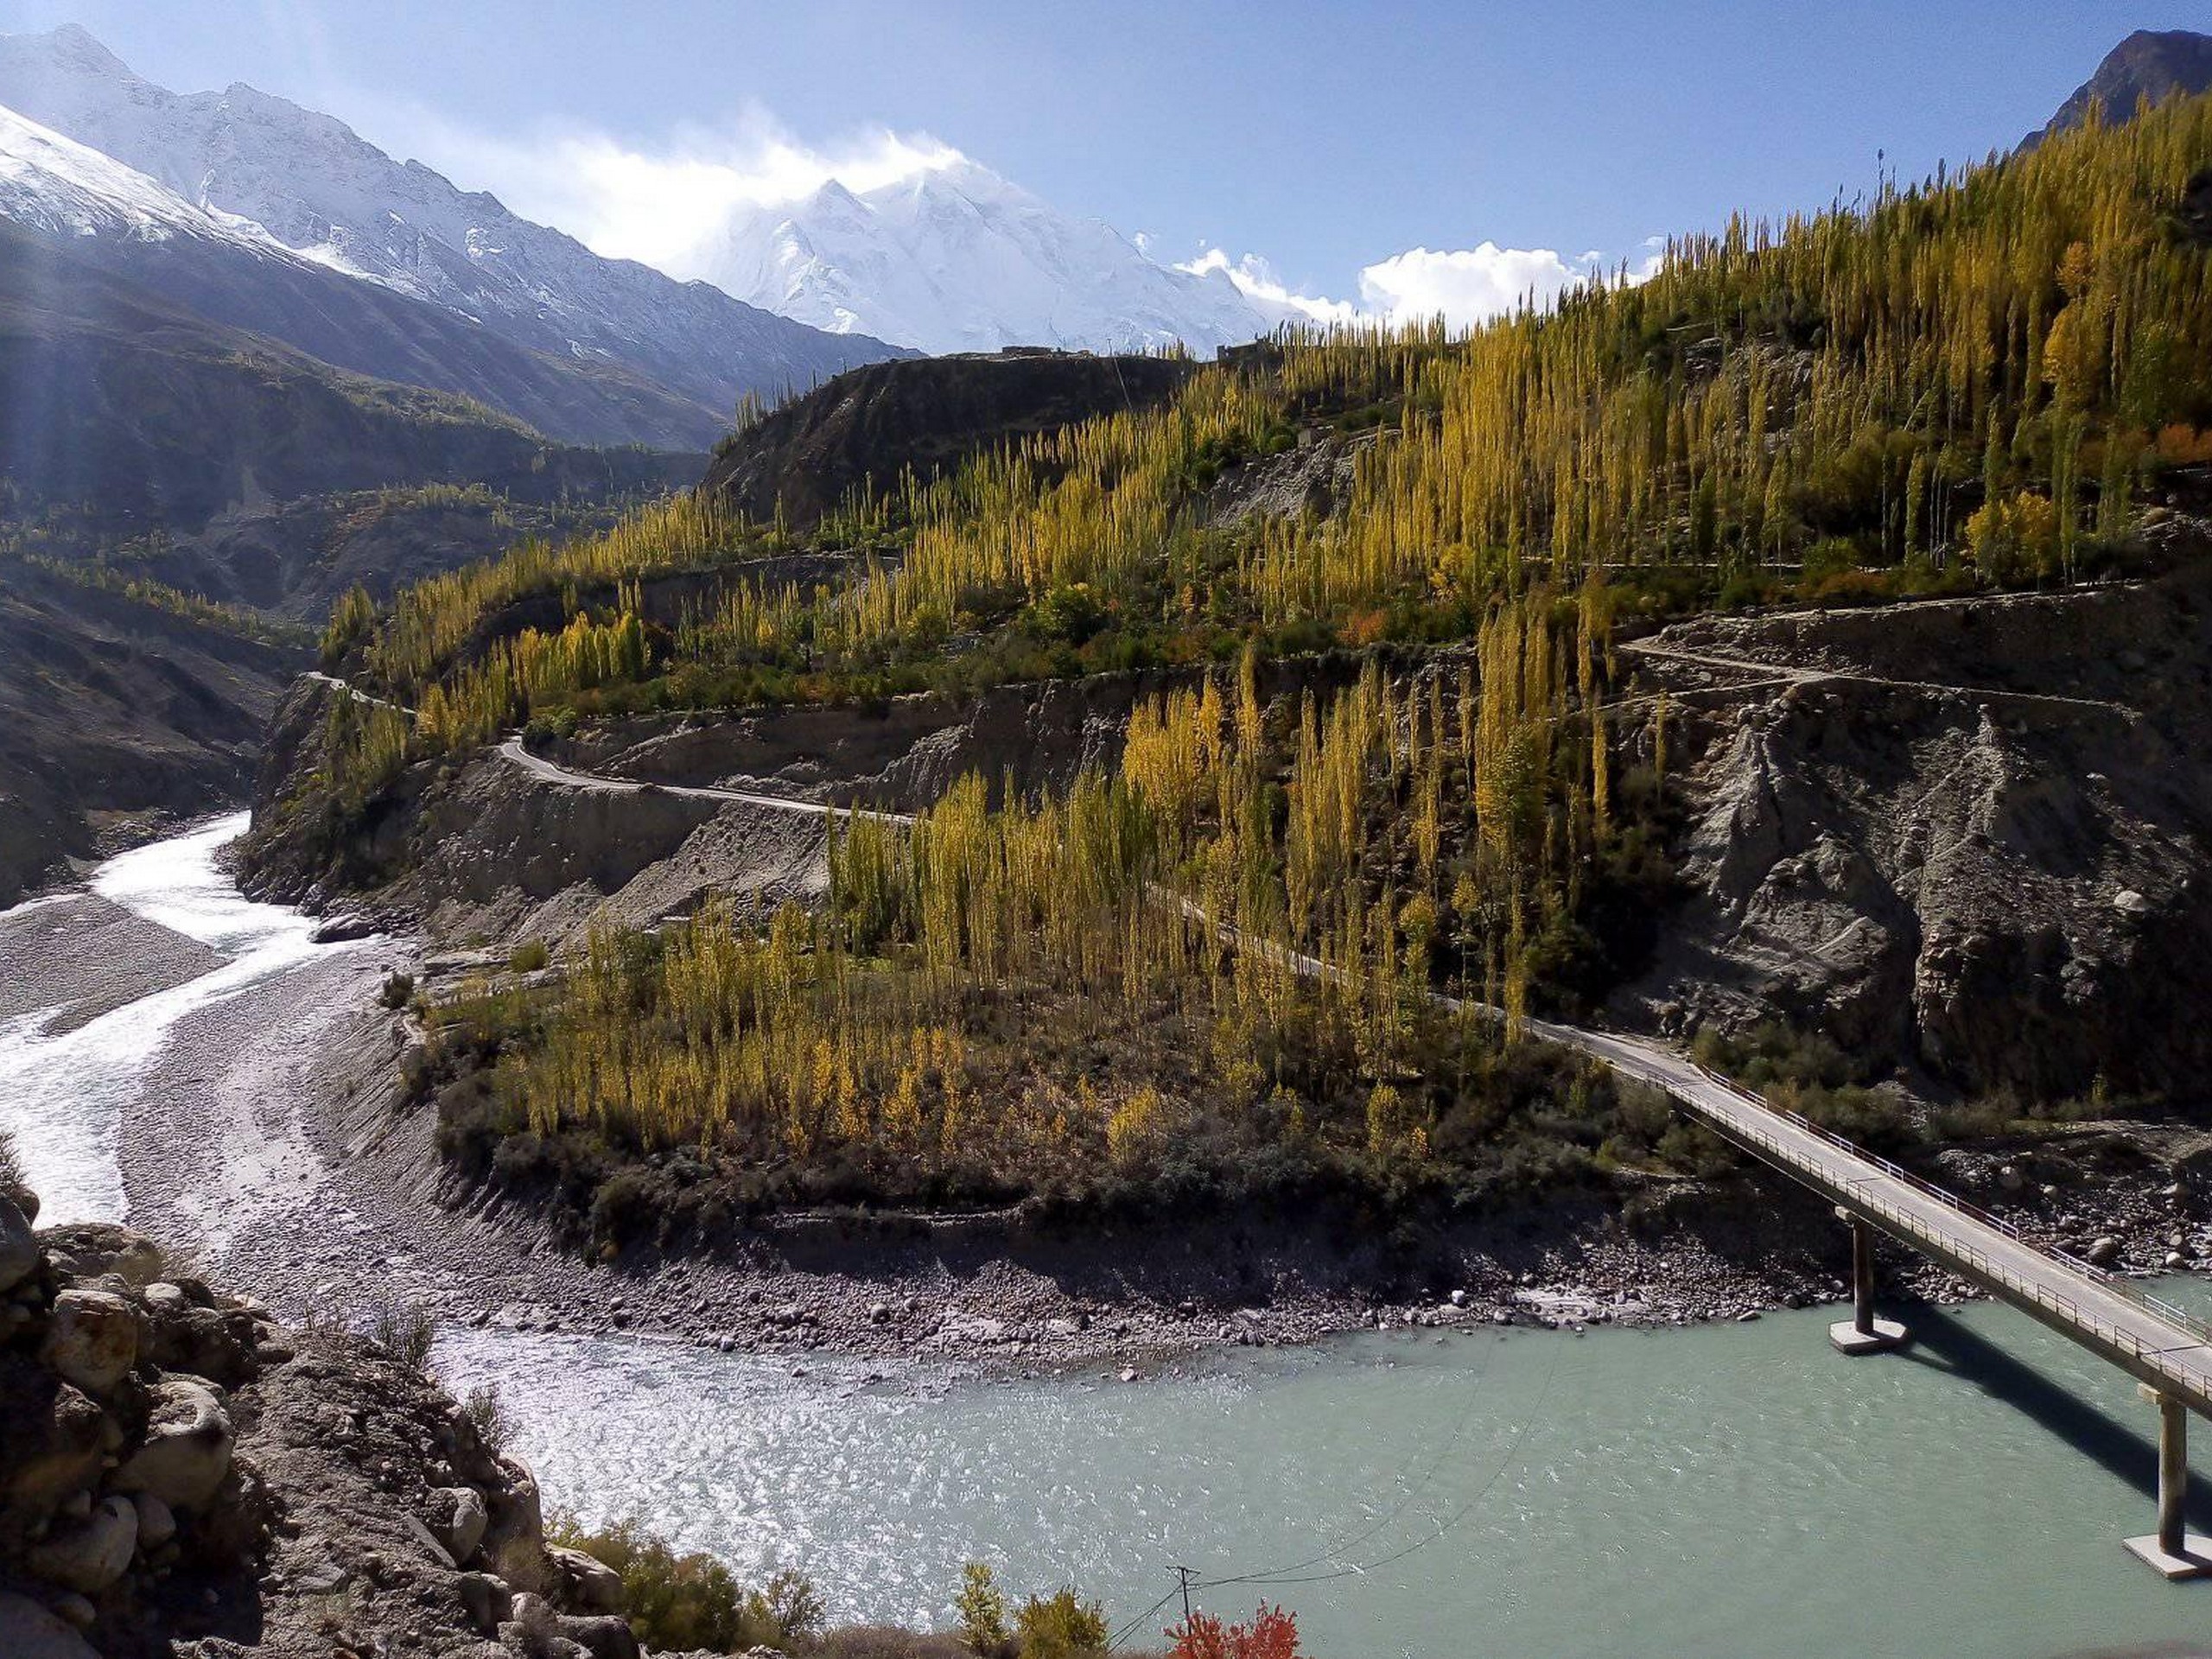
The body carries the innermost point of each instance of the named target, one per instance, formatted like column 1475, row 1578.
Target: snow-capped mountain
column 956, row 259
column 230, row 272
column 315, row 186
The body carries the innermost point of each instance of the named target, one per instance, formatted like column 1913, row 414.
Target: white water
column 63, row 1097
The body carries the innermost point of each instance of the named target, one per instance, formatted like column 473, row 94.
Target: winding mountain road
column 1764, row 673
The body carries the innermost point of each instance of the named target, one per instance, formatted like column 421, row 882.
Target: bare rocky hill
column 2152, row 64
column 927, row 415
column 1972, row 838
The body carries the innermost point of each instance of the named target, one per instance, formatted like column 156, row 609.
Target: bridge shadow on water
column 2124, row 1447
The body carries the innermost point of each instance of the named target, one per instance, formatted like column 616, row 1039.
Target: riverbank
column 280, row 1158
column 284, row 1100
column 283, row 1157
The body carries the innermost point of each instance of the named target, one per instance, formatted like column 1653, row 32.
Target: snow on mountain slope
column 319, row 188
column 956, row 259
column 51, row 184
column 232, row 272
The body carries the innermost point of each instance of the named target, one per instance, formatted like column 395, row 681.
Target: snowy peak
column 949, row 257
column 308, row 179
column 956, row 259
column 71, row 48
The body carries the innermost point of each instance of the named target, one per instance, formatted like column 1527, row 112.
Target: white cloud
column 1469, row 285
column 663, row 204
column 1255, row 279
column 1465, row 286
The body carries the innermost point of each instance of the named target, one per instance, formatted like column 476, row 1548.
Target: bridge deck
column 2161, row 1345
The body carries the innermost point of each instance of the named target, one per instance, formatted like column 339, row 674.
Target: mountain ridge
column 314, row 186
column 871, row 425
column 2153, row 64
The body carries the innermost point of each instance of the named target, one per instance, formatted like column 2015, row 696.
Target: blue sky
column 1324, row 137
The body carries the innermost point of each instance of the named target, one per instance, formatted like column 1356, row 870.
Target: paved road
column 2160, row 1345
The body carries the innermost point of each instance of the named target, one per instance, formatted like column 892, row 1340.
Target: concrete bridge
column 2167, row 1350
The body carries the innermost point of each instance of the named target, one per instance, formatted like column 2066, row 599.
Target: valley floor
column 263, row 1141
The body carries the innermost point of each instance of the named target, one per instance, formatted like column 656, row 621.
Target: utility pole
column 1184, row 1573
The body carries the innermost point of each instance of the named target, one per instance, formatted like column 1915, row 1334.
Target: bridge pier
column 1863, row 1333
column 2173, row 1550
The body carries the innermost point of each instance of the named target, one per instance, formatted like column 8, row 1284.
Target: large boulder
column 487, row 1600
column 18, row 1245
column 87, row 1249
column 56, row 1436
column 187, row 1447
column 28, row 1631
column 514, row 1543
column 92, row 1555
column 213, row 1343
column 93, row 1338
column 157, row 1523
column 601, row 1635
column 457, row 1519
column 585, row 1581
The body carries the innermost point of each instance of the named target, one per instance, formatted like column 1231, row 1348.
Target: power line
column 1459, row 1515
column 1294, row 1573
column 1129, row 1629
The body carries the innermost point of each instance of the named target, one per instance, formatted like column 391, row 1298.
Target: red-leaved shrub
column 1273, row 1634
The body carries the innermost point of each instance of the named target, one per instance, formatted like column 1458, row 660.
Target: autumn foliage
column 1273, row 1634
column 1975, row 381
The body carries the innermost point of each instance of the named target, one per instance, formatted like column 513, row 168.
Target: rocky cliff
column 1971, row 838
column 180, row 1475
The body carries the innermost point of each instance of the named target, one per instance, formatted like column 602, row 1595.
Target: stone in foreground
column 1849, row 1339
column 2195, row 1560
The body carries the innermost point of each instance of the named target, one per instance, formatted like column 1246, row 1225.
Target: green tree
column 981, row 1609
column 1061, row 1626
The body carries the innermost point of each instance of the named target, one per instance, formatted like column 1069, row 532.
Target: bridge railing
column 2186, row 1324
column 2158, row 1357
